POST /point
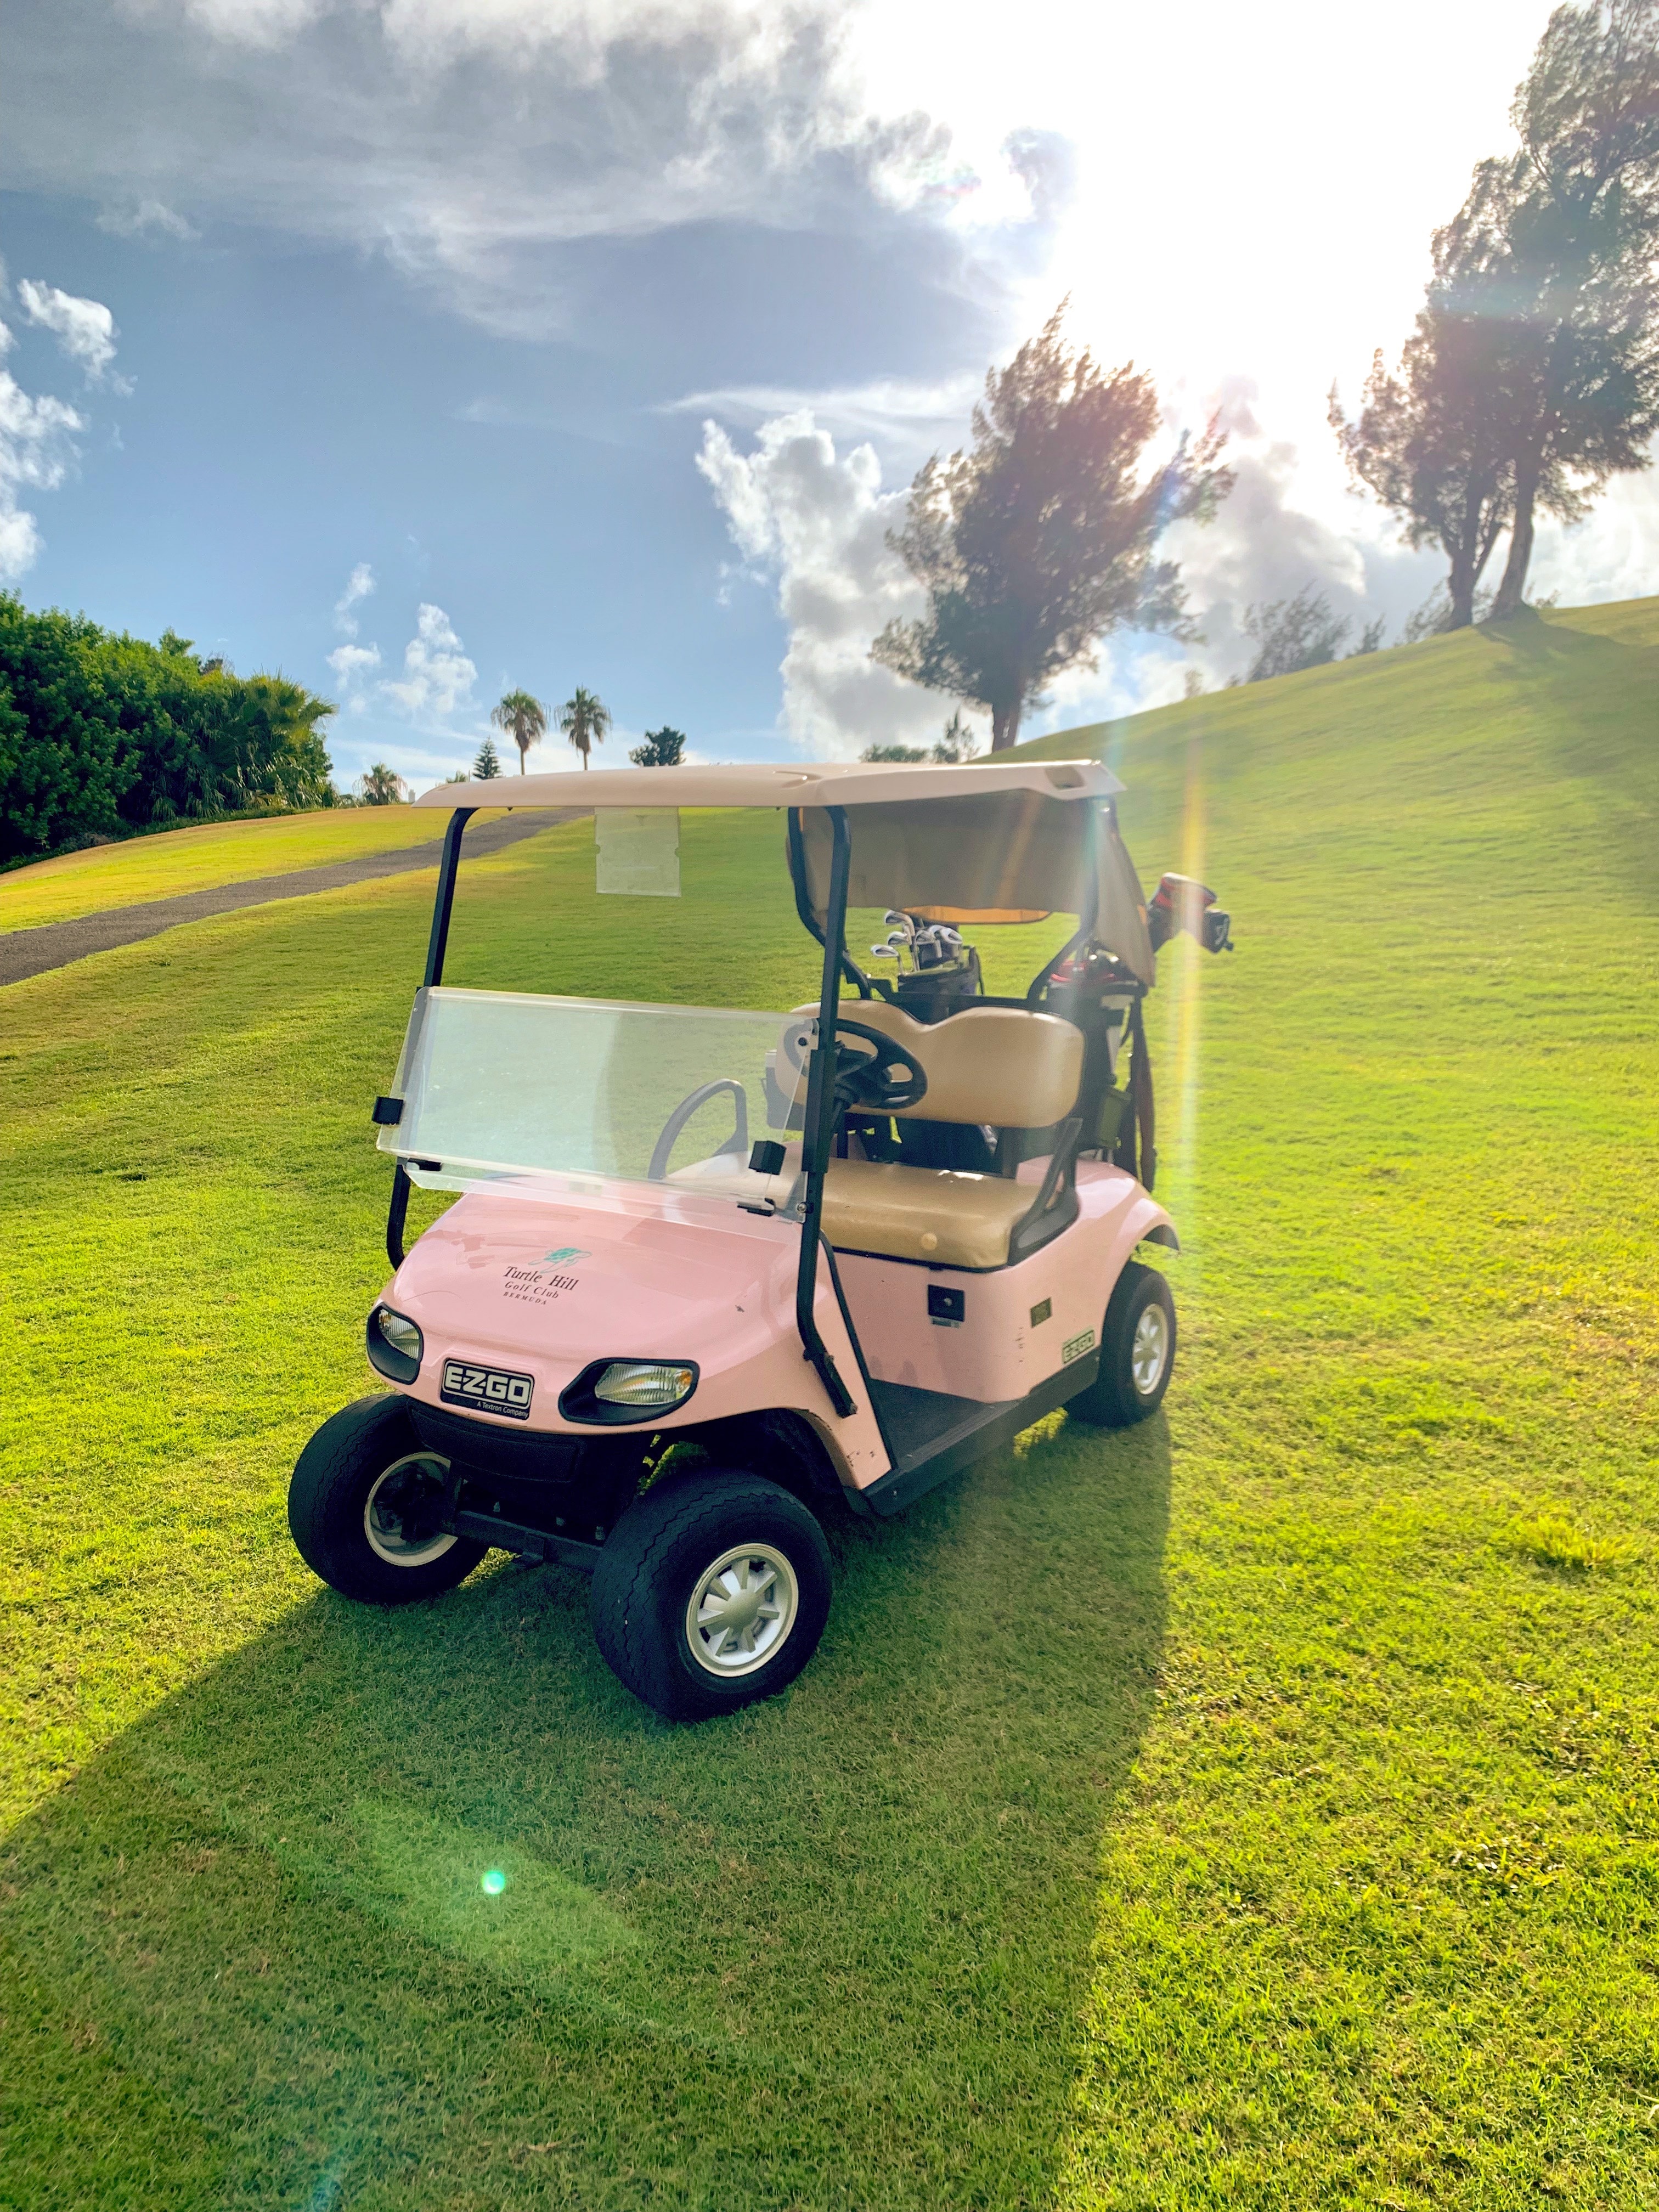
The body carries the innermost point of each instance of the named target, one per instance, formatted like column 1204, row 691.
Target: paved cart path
column 55, row 943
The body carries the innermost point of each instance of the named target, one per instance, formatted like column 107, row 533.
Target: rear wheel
column 1137, row 1353
column 712, row 1592
column 363, row 1507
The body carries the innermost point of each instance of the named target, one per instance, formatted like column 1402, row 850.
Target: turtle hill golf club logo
column 535, row 1286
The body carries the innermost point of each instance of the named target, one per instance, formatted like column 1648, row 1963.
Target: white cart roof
column 819, row 783
column 981, row 841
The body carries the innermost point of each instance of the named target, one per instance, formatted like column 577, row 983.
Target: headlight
column 395, row 1345
column 608, row 1392
column 635, row 1382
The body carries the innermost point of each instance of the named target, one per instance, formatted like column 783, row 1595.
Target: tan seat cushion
column 996, row 1065
column 941, row 1214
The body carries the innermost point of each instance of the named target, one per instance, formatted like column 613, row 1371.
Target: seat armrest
column 1056, row 1205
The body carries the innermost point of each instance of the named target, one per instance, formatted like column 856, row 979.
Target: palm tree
column 524, row 718
column 584, row 720
column 381, row 785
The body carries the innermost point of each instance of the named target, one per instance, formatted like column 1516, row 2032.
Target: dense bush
column 102, row 735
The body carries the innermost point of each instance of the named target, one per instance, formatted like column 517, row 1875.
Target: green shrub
column 102, row 734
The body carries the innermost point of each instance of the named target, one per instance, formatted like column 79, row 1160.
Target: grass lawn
column 200, row 860
column 1258, row 1809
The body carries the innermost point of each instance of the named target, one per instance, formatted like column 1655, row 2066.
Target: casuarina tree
column 1038, row 539
column 524, row 718
column 1294, row 633
column 584, row 720
column 1533, row 375
column 1435, row 440
column 1583, row 231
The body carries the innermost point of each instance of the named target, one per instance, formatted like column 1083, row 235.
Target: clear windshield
column 509, row 1084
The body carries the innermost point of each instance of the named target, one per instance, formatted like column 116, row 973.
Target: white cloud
column 816, row 524
column 84, row 328
column 903, row 418
column 359, row 586
column 459, row 138
column 353, row 663
column 438, row 677
column 144, row 218
column 36, row 449
column 261, row 24
column 1612, row 555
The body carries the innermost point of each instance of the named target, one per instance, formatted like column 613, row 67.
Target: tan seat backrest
column 999, row 1065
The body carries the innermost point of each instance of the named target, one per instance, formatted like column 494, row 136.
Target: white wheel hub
column 395, row 1501
column 742, row 1610
column 1150, row 1350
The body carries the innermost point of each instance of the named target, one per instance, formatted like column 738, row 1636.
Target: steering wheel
column 874, row 1081
column 870, row 1080
column 738, row 1142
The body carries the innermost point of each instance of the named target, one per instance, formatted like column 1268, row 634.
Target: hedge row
column 102, row 735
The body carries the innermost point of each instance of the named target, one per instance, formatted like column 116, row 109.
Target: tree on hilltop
column 663, row 748
column 524, row 719
column 957, row 742
column 956, row 746
column 1533, row 373
column 1038, row 541
column 487, row 766
column 1303, row 632
column 380, row 786
column 1435, row 440
column 1582, row 233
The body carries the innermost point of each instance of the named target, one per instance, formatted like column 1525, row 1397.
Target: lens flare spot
column 494, row 1882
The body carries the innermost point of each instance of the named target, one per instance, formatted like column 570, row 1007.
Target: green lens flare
column 494, row 1882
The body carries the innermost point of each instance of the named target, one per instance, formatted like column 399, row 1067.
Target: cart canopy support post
column 820, row 1121
column 437, row 946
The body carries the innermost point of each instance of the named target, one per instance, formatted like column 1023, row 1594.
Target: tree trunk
column 1005, row 727
column 1459, row 584
column 1511, row 590
column 1459, row 587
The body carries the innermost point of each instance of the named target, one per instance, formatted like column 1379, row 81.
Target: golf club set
column 924, row 945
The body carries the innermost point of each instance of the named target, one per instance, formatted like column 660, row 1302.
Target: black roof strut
column 437, row 946
column 866, row 986
column 819, row 1136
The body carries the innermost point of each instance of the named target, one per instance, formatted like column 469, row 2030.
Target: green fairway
column 1257, row 1809
column 200, row 860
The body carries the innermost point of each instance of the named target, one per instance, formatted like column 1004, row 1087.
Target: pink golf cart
column 713, row 1274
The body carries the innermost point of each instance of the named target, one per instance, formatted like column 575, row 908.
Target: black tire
column 652, row 1567
column 1116, row 1398
column 328, row 1509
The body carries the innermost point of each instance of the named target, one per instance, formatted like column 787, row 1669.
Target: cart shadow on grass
column 832, row 1950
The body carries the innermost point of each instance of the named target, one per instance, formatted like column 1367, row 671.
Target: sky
column 425, row 349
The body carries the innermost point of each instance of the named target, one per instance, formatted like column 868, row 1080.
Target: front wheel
column 363, row 1507
column 712, row 1592
column 1137, row 1353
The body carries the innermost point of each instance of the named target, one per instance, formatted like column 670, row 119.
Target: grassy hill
column 203, row 858
column 1259, row 1810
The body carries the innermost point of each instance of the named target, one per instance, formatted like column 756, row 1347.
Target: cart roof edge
column 776, row 783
